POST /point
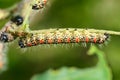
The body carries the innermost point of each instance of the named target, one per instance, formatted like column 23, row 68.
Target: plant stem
column 26, row 20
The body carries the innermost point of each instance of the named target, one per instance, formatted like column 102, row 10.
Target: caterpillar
column 62, row 36
column 39, row 4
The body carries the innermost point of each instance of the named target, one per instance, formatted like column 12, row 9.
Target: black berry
column 18, row 20
column 4, row 37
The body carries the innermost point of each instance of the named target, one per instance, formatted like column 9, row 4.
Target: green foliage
column 100, row 72
column 7, row 3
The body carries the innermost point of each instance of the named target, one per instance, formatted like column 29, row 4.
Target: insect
column 39, row 4
column 62, row 36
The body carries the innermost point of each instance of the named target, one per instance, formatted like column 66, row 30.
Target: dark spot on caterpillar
column 57, row 29
column 107, row 36
column 35, row 7
column 42, row 5
column 75, row 29
column 39, row 5
column 21, row 43
column 18, row 20
column 67, row 28
column 86, row 28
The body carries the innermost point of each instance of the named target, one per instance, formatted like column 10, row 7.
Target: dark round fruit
column 107, row 35
column 18, row 20
column 4, row 37
column 35, row 7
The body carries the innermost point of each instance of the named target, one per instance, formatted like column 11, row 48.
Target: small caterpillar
column 39, row 4
column 60, row 36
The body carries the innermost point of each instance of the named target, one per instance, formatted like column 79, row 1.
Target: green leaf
column 99, row 72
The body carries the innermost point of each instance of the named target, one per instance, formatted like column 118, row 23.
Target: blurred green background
column 98, row 14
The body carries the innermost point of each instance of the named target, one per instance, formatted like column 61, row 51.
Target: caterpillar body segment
column 62, row 36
